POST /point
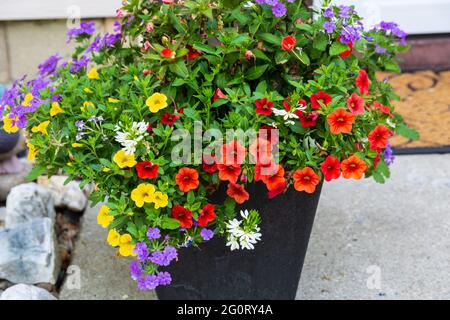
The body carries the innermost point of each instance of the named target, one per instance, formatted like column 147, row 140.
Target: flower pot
column 10, row 143
column 270, row 271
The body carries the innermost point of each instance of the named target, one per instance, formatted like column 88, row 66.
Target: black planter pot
column 271, row 271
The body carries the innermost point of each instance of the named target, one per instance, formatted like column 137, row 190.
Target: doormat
column 425, row 106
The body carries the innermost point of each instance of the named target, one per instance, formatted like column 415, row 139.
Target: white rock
column 26, row 202
column 26, row 292
column 28, row 253
column 9, row 181
column 65, row 196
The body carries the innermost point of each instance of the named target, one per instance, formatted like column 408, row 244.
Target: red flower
column 362, row 82
column 261, row 151
column 331, row 168
column 288, row 43
column 278, row 189
column 167, row 1
column 167, row 53
column 150, row 128
column 353, row 168
column 345, row 54
column 187, row 179
column 233, row 153
column 341, row 121
column 376, row 161
column 302, row 103
column 229, row 172
column 272, row 181
column 264, row 169
column 263, row 106
column 147, row 170
column 169, row 119
column 382, row 108
column 237, row 192
column 320, row 96
column 286, row 105
column 379, row 137
column 207, row 215
column 306, row 180
column 193, row 53
column 219, row 95
column 183, row 215
column 308, row 119
column 267, row 132
column 356, row 104
column 209, row 164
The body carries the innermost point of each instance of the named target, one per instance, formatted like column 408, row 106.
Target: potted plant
column 211, row 125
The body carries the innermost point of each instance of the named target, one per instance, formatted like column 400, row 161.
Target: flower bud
column 149, row 27
column 248, row 54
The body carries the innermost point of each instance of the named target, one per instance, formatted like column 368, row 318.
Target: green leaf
column 118, row 222
column 304, row 58
column 35, row 173
column 392, row 66
column 305, row 27
column 320, row 42
column 205, row 48
column 338, row 48
column 262, row 87
column 170, row 223
column 256, row 72
column 260, row 55
column 282, row 57
column 271, row 38
column 179, row 68
column 407, row 132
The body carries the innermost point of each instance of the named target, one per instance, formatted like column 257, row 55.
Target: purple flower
column 328, row 13
column 49, row 66
column 148, row 282
column 349, row 34
column 272, row 2
column 79, row 124
column 164, row 278
column 329, row 26
column 389, row 155
column 163, row 258
column 135, row 270
column 207, row 234
column 96, row 120
column 153, row 233
column 260, row 2
column 345, row 11
column 171, row 253
column 79, row 64
column 369, row 38
column 141, row 250
column 379, row 49
column 279, row 10
column 86, row 28
column 387, row 26
column 56, row 98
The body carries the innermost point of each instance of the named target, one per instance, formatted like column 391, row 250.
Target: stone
column 9, row 181
column 2, row 217
column 96, row 272
column 28, row 201
column 68, row 196
column 26, row 292
column 28, row 253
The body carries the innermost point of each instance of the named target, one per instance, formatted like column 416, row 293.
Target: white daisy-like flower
column 232, row 243
column 286, row 115
column 239, row 237
column 129, row 139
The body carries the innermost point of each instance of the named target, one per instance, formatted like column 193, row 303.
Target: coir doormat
column 425, row 105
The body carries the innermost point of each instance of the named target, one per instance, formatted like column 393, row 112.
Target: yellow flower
column 156, row 102
column 31, row 152
column 42, row 127
column 105, row 169
column 126, row 248
column 112, row 100
column 93, row 74
column 144, row 193
column 136, row 78
column 27, row 100
column 55, row 109
column 113, row 238
column 87, row 90
column 103, row 218
column 160, row 200
column 76, row 145
column 8, row 125
column 124, row 160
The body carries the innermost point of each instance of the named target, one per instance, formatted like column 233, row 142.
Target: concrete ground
column 369, row 241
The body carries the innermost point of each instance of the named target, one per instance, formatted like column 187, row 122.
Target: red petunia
column 382, row 108
column 320, row 96
column 348, row 52
column 147, row 170
column 187, row 179
column 362, row 82
column 356, row 104
column 273, row 180
column 288, row 43
column 306, row 180
column 353, row 168
column 232, row 153
column 229, row 172
column 341, row 121
column 379, row 137
column 219, row 95
column 237, row 192
column 169, row 119
column 278, row 189
column 207, row 215
column 302, row 103
column 209, row 164
column 308, row 119
column 264, row 107
column 183, row 215
column 193, row 53
column 331, row 168
column 167, row 53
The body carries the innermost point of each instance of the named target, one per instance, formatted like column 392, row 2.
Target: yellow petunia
column 144, row 193
column 113, row 238
column 93, row 74
column 55, row 109
column 103, row 218
column 126, row 247
column 9, row 126
column 76, row 145
column 161, row 200
column 87, row 90
column 27, row 100
column 156, row 102
column 112, row 100
column 124, row 160
column 42, row 128
column 31, row 152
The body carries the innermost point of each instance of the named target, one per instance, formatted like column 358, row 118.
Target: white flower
column 129, row 139
column 248, row 4
column 238, row 237
column 233, row 243
column 287, row 116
